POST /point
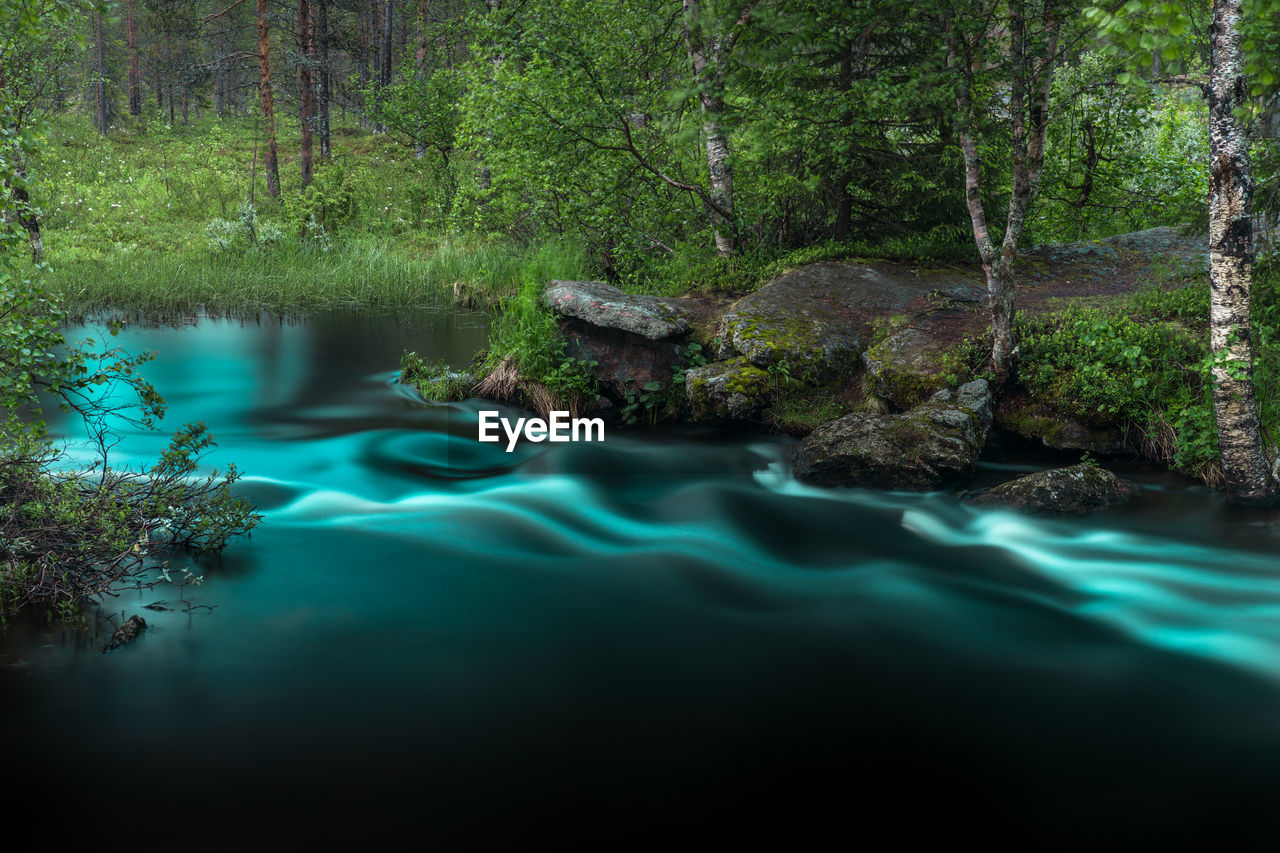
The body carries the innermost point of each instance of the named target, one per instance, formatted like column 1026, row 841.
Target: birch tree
column 710, row 41
column 1249, row 477
column 1159, row 28
column 1018, row 42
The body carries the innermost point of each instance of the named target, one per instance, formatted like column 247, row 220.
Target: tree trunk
column 708, row 57
column 100, row 84
column 1248, row 477
column 306, row 90
column 26, row 215
column 844, row 201
column 385, row 79
column 135, row 79
column 322, row 83
column 365, row 58
column 420, row 62
column 268, row 109
column 1029, row 124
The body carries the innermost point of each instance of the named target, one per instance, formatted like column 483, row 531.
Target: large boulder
column 727, row 390
column 603, row 305
column 631, row 340
column 814, row 319
column 906, row 367
column 621, row 358
column 1079, row 488
column 933, row 445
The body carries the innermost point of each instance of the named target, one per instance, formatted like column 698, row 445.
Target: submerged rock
column 933, row 445
column 1078, row 488
column 598, row 304
column 126, row 633
column 727, row 390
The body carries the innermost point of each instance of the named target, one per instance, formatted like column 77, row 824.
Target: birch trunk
column 1030, row 79
column 26, row 215
column 707, row 55
column 1248, row 478
column 268, row 108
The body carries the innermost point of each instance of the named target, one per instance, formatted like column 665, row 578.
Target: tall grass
column 299, row 275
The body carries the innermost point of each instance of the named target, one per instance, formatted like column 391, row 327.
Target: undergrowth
column 1142, row 364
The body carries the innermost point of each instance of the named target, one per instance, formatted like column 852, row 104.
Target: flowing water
column 659, row 635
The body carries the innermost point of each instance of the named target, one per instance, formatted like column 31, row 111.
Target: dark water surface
column 655, row 639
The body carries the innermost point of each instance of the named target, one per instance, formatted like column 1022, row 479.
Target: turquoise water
column 660, row 636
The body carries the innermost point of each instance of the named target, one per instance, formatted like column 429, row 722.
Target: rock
column 605, row 306
column 621, row 358
column 813, row 318
column 906, row 367
column 935, row 444
column 1035, row 420
column 727, row 390
column 1079, row 488
column 126, row 633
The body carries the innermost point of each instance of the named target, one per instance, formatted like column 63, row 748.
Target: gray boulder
column 814, row 318
column 598, row 304
column 933, row 445
column 727, row 390
column 1079, row 488
column 906, row 367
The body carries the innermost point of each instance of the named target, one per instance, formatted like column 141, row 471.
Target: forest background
column 167, row 157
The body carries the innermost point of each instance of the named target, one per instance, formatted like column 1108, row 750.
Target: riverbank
column 1113, row 357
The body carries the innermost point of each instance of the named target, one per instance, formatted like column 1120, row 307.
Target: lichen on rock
column 599, row 304
column 1075, row 489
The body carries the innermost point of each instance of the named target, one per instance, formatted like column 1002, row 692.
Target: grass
column 368, row 271
column 128, row 226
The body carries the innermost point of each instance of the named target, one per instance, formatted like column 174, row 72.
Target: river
column 662, row 636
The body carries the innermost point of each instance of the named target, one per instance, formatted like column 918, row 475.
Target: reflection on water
column 663, row 633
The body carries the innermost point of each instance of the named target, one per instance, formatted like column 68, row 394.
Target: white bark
column 708, row 54
column 1245, row 468
column 1028, row 114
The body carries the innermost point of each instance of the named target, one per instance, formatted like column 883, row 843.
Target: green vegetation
column 1140, row 363
column 475, row 150
column 69, row 534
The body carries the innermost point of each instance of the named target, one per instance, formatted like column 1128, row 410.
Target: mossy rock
column 1062, row 491
column 1041, row 421
column 934, row 445
column 906, row 368
column 727, row 390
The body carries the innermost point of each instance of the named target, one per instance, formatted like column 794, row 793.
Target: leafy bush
column 248, row 231
column 1152, row 376
column 64, row 536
